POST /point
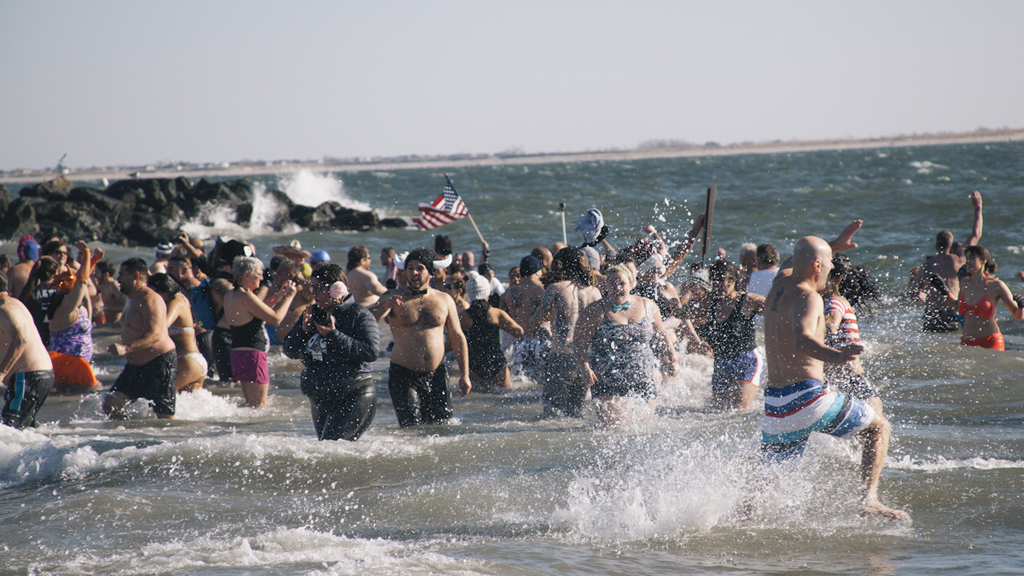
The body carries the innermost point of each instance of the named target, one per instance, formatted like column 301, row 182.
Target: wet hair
column 722, row 270
column 43, row 273
column 767, row 254
column 183, row 259
column 136, row 265
column 3, row 282
column 355, row 256
column 329, row 273
column 620, row 269
column 570, row 264
column 163, row 284
column 944, row 240
column 979, row 252
column 245, row 264
column 106, row 267
column 424, row 256
column 442, row 247
column 857, row 285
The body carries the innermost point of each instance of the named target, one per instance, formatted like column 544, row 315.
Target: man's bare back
column 795, row 354
column 364, row 285
column 17, row 277
column 566, row 300
column 521, row 301
column 18, row 329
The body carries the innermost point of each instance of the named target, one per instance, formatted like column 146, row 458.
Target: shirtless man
column 529, row 353
column 570, row 291
column 937, row 279
column 152, row 361
column 796, row 400
column 419, row 317
column 363, row 283
column 28, row 253
column 25, row 365
column 544, row 255
column 110, row 293
column 387, row 260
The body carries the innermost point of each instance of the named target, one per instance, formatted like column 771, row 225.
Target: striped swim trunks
column 792, row 412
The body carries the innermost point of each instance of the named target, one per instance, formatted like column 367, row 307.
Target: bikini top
column 983, row 308
column 178, row 330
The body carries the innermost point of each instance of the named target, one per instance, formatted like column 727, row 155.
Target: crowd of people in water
column 574, row 320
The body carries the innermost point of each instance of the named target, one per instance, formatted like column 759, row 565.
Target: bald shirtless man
column 796, row 400
column 419, row 317
column 365, row 287
column 152, row 362
column 25, row 365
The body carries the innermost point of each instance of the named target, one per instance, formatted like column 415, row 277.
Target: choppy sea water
column 500, row 490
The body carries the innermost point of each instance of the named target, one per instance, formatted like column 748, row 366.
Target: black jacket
column 342, row 357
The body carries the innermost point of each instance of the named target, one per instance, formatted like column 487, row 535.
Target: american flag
column 446, row 209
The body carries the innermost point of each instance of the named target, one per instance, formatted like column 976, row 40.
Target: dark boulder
column 5, row 199
column 394, row 223
column 56, row 189
column 20, row 218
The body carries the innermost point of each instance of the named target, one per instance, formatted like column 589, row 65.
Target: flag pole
column 709, row 212
column 468, row 213
column 561, row 208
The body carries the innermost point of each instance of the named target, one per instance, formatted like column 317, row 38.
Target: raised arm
column 975, row 236
column 261, row 310
column 683, row 250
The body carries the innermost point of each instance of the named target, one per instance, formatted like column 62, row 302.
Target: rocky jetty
column 148, row 211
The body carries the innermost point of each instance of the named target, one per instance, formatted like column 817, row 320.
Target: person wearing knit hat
column 164, row 250
column 530, row 352
column 477, row 286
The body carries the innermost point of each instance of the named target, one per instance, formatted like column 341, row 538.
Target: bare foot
column 877, row 509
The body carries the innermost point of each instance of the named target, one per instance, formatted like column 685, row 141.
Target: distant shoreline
column 465, row 160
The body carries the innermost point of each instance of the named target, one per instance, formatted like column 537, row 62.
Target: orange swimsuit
column 985, row 310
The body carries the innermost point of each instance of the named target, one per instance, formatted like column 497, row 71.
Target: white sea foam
column 942, row 463
column 313, row 189
column 29, row 456
column 219, row 220
column 926, row 167
column 284, row 550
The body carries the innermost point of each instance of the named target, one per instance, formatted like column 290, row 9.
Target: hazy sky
column 132, row 83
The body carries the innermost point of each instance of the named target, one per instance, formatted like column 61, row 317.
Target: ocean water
column 501, row 490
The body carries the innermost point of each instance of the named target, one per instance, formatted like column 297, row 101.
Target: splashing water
column 313, row 189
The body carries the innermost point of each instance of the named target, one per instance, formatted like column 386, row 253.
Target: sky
column 127, row 83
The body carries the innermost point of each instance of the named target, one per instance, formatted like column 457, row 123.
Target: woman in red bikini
column 979, row 297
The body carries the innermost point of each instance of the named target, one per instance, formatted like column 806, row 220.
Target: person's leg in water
column 347, row 417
